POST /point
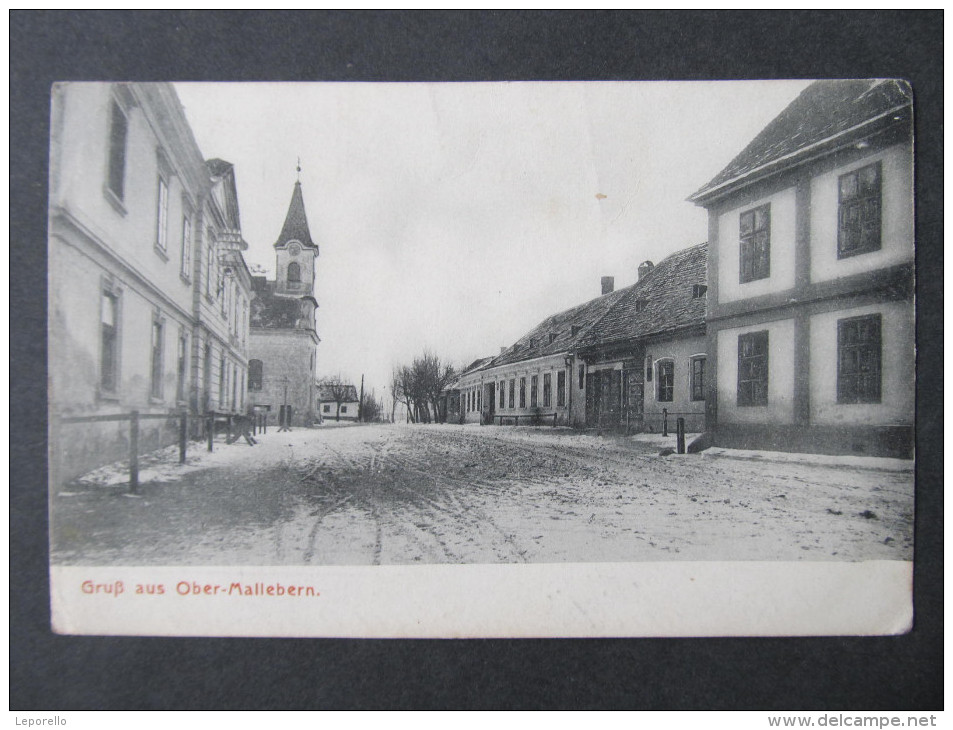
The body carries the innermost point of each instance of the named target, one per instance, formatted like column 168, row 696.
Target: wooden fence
column 535, row 418
column 258, row 425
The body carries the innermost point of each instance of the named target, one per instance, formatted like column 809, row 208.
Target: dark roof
column 476, row 364
column 662, row 301
column 225, row 191
column 272, row 311
column 295, row 227
column 569, row 327
column 825, row 112
column 324, row 393
column 217, row 167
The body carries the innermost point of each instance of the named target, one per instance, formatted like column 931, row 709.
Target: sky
column 456, row 216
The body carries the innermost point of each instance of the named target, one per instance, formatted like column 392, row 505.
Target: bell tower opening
column 295, row 250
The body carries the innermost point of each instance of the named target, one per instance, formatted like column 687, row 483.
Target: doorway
column 489, row 402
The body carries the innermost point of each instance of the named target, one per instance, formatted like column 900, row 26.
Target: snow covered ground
column 471, row 494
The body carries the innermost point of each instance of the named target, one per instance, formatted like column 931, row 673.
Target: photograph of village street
column 490, row 323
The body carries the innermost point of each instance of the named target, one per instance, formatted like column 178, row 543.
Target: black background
column 60, row 673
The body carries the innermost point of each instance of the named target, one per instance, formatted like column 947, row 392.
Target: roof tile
column 822, row 111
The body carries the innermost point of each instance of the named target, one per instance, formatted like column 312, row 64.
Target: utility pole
column 360, row 403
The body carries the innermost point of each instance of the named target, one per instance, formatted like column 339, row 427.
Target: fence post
column 210, row 430
column 133, row 451
column 665, row 421
column 680, row 435
column 264, row 423
column 183, row 435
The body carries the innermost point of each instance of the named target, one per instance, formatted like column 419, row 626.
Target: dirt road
column 464, row 494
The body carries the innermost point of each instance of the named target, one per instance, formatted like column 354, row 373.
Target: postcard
column 524, row 359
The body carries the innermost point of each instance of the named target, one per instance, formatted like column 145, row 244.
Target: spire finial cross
column 299, row 169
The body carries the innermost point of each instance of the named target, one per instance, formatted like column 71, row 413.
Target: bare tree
column 340, row 391
column 398, row 392
column 371, row 408
column 419, row 385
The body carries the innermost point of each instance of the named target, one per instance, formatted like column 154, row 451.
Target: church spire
column 295, row 227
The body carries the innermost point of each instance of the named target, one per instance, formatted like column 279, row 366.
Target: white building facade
column 811, row 318
column 130, row 202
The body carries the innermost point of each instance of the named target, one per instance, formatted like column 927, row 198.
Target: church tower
column 295, row 252
column 283, row 340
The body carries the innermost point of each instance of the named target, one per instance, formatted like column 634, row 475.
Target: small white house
column 338, row 403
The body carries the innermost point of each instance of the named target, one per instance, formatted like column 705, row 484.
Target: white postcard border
column 659, row 599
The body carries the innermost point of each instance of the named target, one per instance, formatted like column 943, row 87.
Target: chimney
column 644, row 268
column 608, row 284
column 502, row 349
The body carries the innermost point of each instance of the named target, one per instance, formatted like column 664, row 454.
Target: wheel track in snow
column 365, row 497
column 469, row 515
column 378, row 461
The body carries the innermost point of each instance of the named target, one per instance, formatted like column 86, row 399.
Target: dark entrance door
column 604, row 398
column 590, row 399
column 633, row 396
column 489, row 402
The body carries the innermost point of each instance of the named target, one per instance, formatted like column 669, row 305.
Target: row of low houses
column 791, row 329
column 631, row 358
column 151, row 305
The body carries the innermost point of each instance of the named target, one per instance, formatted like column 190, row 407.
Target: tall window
column 294, row 273
column 502, row 394
column 858, row 359
column 534, row 391
column 698, row 378
column 186, row 247
column 547, row 390
column 255, row 374
column 858, row 212
column 222, row 377
column 157, row 341
column 522, row 392
column 118, row 128
column 225, row 286
column 207, row 377
column 513, row 393
column 109, row 354
column 756, row 244
column 181, row 366
column 753, row 369
column 209, row 261
column 162, row 214
column 666, row 380
column 561, row 388
column 582, row 377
